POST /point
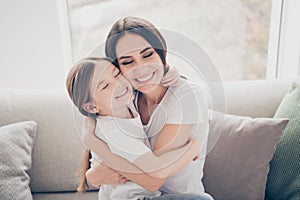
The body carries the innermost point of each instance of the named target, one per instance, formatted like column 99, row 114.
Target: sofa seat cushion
column 66, row 196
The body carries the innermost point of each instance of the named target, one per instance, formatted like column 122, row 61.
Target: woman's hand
column 171, row 78
column 196, row 147
column 101, row 174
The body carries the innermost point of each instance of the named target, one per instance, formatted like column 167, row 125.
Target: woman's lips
column 146, row 78
column 122, row 93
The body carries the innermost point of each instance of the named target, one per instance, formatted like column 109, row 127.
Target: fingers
column 171, row 78
column 118, row 179
column 172, row 82
column 196, row 158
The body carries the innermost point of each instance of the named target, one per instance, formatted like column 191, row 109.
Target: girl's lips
column 122, row 93
column 145, row 79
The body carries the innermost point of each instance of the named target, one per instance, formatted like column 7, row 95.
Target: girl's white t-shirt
column 126, row 138
column 182, row 104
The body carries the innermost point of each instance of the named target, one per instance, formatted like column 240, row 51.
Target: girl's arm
column 162, row 145
column 158, row 166
column 94, row 175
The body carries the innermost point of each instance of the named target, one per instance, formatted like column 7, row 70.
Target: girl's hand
column 171, row 78
column 101, row 174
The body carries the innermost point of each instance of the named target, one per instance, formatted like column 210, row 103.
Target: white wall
column 31, row 54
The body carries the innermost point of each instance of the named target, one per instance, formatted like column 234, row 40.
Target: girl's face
column 139, row 62
column 109, row 89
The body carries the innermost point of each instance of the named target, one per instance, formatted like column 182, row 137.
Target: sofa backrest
column 58, row 149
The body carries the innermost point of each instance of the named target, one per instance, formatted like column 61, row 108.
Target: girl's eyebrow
column 100, row 83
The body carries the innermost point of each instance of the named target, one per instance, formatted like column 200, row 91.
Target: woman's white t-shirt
column 182, row 104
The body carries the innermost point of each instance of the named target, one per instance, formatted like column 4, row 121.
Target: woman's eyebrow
column 147, row 48
column 124, row 57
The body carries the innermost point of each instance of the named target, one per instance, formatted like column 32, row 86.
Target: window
column 235, row 33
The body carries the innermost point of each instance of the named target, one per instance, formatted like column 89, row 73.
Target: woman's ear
column 90, row 108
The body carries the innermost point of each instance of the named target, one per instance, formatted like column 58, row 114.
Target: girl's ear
column 90, row 108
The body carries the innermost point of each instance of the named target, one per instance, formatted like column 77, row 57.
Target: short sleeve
column 188, row 105
column 121, row 143
column 126, row 146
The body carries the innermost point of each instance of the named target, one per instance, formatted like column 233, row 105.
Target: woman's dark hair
column 138, row 26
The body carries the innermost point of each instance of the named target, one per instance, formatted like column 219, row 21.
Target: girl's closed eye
column 106, row 86
column 117, row 74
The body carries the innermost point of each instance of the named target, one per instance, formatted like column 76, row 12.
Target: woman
column 170, row 115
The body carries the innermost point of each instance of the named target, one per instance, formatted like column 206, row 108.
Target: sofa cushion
column 57, row 149
column 284, row 177
column 238, row 164
column 16, row 142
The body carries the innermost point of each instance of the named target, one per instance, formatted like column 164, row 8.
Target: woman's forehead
column 130, row 43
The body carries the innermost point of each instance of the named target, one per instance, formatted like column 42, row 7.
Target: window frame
column 284, row 40
column 281, row 33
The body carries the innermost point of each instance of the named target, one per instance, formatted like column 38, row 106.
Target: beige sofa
column 57, row 149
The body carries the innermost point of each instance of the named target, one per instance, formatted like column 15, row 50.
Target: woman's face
column 109, row 89
column 139, row 62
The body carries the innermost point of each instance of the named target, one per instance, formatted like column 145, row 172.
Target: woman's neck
column 155, row 96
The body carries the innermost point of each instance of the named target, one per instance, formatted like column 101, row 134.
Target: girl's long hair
column 85, row 165
column 78, row 85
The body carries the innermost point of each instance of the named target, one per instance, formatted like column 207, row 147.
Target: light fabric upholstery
column 238, row 165
column 284, row 176
column 16, row 142
column 58, row 149
column 66, row 196
column 254, row 98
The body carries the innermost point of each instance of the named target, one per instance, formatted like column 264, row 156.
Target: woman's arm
column 146, row 181
column 158, row 166
column 169, row 162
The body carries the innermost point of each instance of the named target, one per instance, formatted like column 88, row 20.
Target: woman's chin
column 145, row 89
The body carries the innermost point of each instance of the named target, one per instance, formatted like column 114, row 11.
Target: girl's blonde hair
column 78, row 85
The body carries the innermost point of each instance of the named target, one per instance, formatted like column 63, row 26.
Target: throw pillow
column 284, row 177
column 16, row 141
column 237, row 166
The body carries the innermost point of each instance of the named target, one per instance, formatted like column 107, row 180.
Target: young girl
column 99, row 91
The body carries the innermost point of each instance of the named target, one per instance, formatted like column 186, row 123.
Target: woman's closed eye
column 127, row 62
column 148, row 54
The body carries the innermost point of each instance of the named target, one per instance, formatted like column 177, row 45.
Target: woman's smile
column 145, row 78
